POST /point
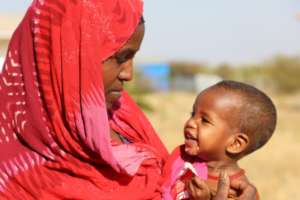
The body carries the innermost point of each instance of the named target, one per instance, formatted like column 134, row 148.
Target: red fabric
column 54, row 128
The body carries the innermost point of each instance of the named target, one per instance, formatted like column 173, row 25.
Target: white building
column 203, row 81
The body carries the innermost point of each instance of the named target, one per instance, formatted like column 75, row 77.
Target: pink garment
column 177, row 170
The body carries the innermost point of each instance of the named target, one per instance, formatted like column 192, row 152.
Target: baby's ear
column 237, row 144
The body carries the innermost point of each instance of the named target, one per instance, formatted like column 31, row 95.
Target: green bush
column 280, row 74
column 285, row 73
column 187, row 69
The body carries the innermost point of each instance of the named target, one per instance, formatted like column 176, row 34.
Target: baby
column 229, row 121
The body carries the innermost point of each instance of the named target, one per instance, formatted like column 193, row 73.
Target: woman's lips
column 114, row 94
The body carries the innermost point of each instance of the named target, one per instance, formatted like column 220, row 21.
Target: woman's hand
column 199, row 190
column 223, row 187
column 245, row 190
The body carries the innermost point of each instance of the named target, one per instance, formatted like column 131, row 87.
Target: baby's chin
column 191, row 151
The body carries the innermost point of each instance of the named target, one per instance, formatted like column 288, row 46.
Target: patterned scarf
column 54, row 128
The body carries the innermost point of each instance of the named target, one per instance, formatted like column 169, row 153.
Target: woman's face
column 119, row 68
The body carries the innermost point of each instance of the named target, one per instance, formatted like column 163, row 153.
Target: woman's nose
column 126, row 73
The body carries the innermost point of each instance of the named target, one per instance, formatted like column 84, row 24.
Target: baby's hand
column 198, row 189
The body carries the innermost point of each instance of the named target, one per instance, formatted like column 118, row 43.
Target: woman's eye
column 121, row 59
column 124, row 56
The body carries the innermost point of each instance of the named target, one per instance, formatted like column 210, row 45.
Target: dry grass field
column 274, row 169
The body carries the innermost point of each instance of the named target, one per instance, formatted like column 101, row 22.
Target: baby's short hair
column 257, row 115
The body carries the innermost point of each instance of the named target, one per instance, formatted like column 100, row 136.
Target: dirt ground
column 274, row 169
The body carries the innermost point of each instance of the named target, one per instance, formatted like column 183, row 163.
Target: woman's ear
column 238, row 143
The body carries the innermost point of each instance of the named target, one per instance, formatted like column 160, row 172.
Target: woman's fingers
column 223, row 186
column 247, row 190
column 199, row 190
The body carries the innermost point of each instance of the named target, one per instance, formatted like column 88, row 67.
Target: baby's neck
column 215, row 167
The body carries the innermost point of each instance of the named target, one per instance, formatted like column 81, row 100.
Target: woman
column 65, row 68
column 68, row 129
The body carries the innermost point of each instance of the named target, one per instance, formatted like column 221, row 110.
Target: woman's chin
column 112, row 101
column 111, row 106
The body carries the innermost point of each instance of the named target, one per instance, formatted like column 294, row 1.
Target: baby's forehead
column 226, row 103
column 213, row 94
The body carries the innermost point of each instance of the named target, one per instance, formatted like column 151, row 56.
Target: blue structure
column 157, row 74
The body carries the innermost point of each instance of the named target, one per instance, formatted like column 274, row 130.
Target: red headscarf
column 54, row 128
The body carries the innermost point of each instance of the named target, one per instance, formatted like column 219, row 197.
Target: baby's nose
column 191, row 123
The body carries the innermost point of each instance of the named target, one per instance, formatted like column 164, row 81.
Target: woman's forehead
column 134, row 42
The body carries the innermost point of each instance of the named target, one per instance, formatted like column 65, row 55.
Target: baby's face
column 208, row 129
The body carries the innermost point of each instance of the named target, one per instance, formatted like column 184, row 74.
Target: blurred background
column 190, row 45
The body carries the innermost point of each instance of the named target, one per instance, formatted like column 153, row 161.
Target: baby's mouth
column 190, row 143
column 189, row 136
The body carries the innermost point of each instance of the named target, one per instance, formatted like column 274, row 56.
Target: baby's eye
column 204, row 120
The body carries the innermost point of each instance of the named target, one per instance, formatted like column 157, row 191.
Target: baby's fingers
column 197, row 189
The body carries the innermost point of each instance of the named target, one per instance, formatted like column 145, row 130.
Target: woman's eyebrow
column 127, row 50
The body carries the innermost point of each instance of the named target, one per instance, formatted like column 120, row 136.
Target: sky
column 213, row 31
